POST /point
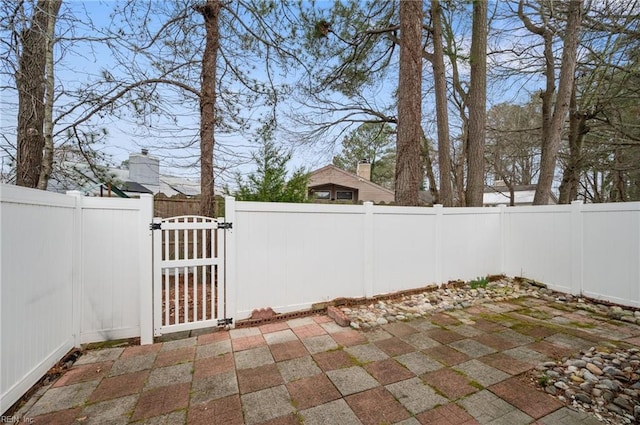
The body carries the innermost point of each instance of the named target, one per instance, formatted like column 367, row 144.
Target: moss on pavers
column 568, row 416
column 62, row 398
column 486, row 408
column 415, row 396
column 266, row 404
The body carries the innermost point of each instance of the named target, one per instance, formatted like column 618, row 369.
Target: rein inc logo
column 15, row 420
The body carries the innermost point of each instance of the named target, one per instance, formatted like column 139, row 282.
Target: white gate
column 189, row 286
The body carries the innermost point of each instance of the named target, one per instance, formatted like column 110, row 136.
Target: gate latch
column 225, row 226
column 225, row 321
column 155, row 226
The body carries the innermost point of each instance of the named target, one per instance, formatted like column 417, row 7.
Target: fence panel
column 538, row 244
column 470, row 244
column 110, row 269
column 611, row 252
column 290, row 256
column 402, row 262
column 73, row 271
column 36, row 286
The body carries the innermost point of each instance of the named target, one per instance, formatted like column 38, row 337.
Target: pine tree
column 269, row 182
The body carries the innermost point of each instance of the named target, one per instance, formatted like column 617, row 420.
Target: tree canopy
column 269, row 183
column 197, row 81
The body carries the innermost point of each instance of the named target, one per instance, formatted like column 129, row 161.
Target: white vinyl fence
column 77, row 269
column 591, row 249
column 73, row 270
column 290, row 256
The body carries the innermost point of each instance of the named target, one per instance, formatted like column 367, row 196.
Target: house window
column 322, row 194
column 344, row 195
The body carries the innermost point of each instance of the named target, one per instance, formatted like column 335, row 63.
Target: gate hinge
column 225, row 321
column 155, row 226
column 225, row 226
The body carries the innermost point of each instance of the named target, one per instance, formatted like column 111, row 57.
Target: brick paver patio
column 459, row 367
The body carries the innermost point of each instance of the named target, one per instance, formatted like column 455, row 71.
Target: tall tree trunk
column 426, row 154
column 459, row 174
column 567, row 73
column 571, row 175
column 47, row 157
column 477, row 106
column 30, row 82
column 442, row 110
column 211, row 13
column 408, row 168
column 619, row 187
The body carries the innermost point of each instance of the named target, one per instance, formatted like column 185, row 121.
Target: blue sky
column 123, row 137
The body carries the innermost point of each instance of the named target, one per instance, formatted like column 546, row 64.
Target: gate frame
column 229, row 246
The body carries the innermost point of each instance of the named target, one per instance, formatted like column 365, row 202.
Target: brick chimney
column 145, row 169
column 363, row 170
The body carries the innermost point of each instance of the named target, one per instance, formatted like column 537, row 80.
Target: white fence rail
column 76, row 269
column 73, row 270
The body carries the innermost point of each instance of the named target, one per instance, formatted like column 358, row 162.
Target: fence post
column 231, row 287
column 368, row 242
column 438, row 208
column 576, row 248
column 503, row 238
column 145, row 268
column 77, row 284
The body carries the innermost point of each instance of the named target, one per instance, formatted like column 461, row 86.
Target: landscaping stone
column 612, row 379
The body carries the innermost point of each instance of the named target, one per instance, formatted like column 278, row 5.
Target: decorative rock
column 579, row 363
column 594, row 369
column 577, row 379
column 561, row 385
column 608, row 384
column 624, row 403
column 382, row 321
column 612, row 407
column 586, row 387
column 589, row 376
column 583, row 398
column 553, row 374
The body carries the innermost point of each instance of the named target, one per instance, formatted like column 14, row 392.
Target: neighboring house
column 332, row 184
column 499, row 194
column 142, row 176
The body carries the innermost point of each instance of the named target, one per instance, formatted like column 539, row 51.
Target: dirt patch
column 187, row 300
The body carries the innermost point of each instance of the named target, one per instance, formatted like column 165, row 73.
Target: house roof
column 523, row 195
column 79, row 176
column 135, row 187
column 179, row 185
column 357, row 180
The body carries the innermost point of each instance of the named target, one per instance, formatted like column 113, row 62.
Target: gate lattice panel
column 189, row 276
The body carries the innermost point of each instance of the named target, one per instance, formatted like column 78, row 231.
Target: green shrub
column 480, row 282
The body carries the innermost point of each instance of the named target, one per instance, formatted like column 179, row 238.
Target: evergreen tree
column 373, row 143
column 269, row 182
